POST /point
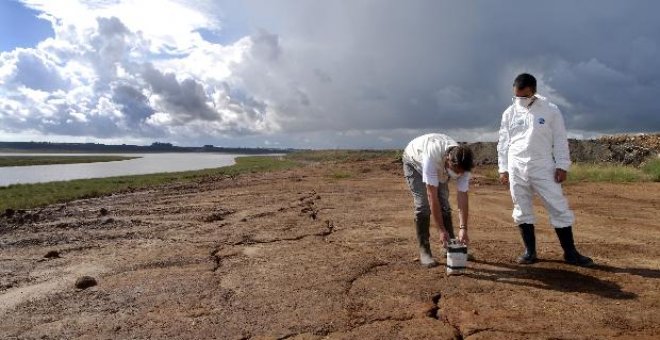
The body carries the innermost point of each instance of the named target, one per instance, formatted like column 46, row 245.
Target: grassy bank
column 49, row 160
column 652, row 169
column 24, row 196
column 342, row 155
column 606, row 173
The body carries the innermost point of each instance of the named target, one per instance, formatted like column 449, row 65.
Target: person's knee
column 563, row 219
column 521, row 216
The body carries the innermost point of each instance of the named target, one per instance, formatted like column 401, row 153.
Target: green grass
column 609, row 173
column 605, row 173
column 489, row 171
column 48, row 160
column 342, row 155
column 652, row 169
column 340, row 174
column 25, row 196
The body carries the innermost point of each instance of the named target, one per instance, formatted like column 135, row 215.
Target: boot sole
column 527, row 262
column 430, row 265
column 590, row 264
column 524, row 261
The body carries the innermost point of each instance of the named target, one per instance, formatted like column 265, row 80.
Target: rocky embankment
column 620, row 149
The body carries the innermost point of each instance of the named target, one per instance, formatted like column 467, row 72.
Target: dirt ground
column 302, row 255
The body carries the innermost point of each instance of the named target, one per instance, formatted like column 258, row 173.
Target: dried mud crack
column 296, row 254
column 433, row 312
column 365, row 271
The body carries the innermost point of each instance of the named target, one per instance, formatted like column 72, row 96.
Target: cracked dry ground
column 301, row 255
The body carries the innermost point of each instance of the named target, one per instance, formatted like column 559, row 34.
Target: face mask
column 452, row 173
column 523, row 101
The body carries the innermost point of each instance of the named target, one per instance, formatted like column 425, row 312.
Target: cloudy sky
column 319, row 74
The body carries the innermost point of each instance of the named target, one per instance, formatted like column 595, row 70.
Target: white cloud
column 111, row 70
column 170, row 26
column 323, row 73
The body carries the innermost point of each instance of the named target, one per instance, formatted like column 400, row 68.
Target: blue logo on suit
column 541, row 121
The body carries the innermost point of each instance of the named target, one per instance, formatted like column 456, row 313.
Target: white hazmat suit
column 532, row 144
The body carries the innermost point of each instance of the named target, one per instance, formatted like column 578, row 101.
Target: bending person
column 429, row 161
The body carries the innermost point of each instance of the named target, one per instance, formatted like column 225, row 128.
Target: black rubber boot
column 529, row 239
column 571, row 255
column 422, row 224
column 449, row 224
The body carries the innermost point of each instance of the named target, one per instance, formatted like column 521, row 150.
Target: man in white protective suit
column 533, row 157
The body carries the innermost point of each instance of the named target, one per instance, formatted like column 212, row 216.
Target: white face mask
column 523, row 101
column 452, row 173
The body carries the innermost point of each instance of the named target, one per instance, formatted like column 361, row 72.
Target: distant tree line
column 154, row 147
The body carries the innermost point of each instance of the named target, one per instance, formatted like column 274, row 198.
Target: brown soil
column 302, row 255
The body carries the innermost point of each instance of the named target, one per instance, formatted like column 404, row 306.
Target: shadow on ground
column 561, row 280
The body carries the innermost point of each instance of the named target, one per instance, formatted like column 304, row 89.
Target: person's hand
column 463, row 236
column 560, row 175
column 444, row 237
column 504, row 178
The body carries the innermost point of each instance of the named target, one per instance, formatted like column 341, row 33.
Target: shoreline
column 34, row 195
column 7, row 161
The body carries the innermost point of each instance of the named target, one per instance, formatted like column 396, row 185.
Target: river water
column 146, row 164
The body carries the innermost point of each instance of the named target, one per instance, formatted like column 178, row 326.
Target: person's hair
column 462, row 157
column 524, row 80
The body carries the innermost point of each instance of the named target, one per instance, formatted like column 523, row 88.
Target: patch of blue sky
column 223, row 37
column 20, row 26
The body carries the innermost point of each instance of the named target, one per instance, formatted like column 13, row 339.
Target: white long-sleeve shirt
column 427, row 154
column 535, row 137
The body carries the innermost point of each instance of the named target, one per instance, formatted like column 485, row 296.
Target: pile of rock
column 485, row 153
column 647, row 141
column 631, row 149
column 620, row 149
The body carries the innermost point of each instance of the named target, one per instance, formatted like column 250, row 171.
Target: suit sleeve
column 560, row 149
column 503, row 144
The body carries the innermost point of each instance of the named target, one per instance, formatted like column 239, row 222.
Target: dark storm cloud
column 265, row 46
column 185, row 99
column 134, row 105
column 450, row 65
